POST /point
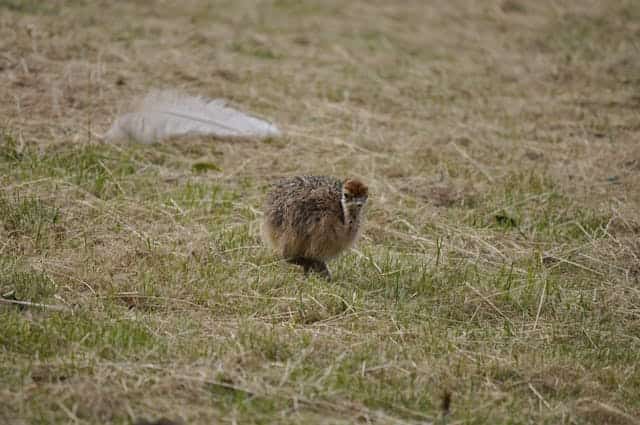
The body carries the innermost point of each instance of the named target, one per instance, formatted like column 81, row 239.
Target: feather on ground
column 165, row 114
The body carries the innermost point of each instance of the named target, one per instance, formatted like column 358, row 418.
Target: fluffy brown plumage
column 311, row 219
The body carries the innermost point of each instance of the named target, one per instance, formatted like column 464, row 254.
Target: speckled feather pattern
column 304, row 218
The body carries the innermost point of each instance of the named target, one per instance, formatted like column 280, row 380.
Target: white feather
column 165, row 114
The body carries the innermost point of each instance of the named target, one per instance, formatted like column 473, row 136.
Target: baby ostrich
column 311, row 219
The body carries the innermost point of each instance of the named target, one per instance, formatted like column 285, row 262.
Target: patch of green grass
column 270, row 344
column 54, row 333
column 532, row 205
column 27, row 216
column 92, row 167
column 586, row 37
column 577, row 35
column 20, row 283
column 99, row 169
column 203, row 167
column 30, row 7
column 256, row 49
column 9, row 148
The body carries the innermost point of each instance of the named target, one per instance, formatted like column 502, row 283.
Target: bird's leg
column 309, row 264
column 321, row 268
column 306, row 263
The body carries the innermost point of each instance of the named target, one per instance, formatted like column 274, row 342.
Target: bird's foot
column 311, row 265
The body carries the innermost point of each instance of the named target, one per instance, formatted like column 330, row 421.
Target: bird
column 311, row 219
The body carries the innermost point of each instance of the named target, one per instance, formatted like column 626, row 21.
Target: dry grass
column 500, row 259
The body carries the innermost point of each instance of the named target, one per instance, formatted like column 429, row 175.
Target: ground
column 497, row 279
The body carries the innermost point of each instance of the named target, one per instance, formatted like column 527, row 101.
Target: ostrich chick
column 311, row 219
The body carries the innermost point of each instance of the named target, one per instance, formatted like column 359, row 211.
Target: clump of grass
column 27, row 216
column 255, row 48
column 92, row 168
column 21, row 283
column 10, row 149
column 63, row 332
column 30, row 7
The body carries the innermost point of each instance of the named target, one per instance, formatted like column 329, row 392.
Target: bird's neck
column 352, row 218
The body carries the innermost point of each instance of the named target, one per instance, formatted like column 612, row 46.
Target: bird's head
column 354, row 197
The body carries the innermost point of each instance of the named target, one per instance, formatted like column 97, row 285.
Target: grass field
column 497, row 280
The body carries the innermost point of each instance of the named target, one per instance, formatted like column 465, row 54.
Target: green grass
column 498, row 268
column 27, row 216
column 20, row 283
